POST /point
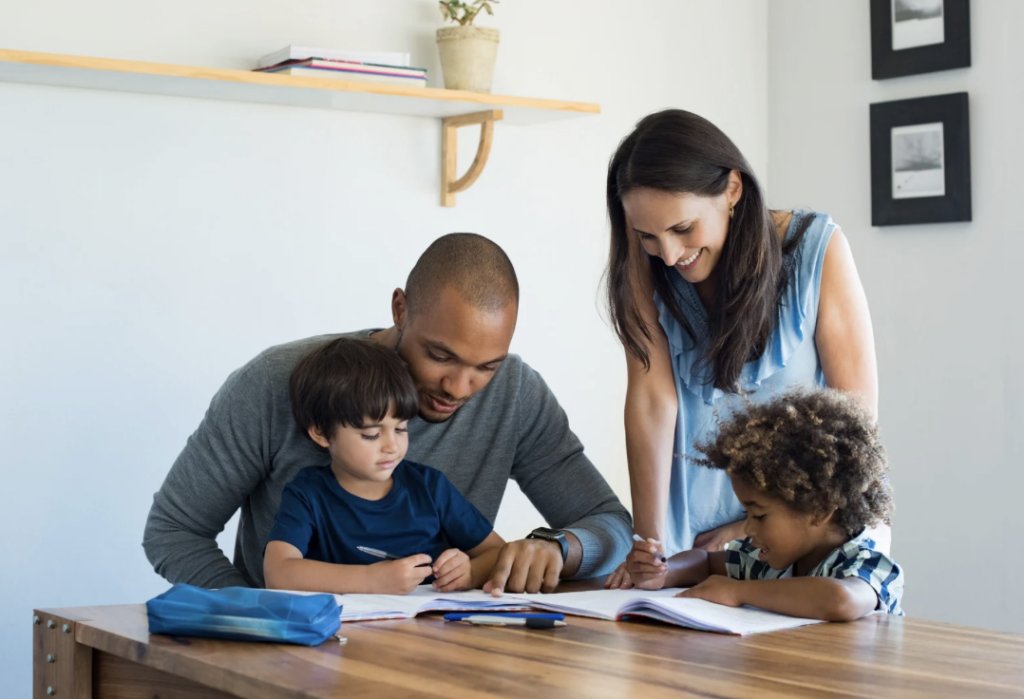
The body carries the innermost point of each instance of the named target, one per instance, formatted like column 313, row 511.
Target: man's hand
column 452, row 571
column 718, row 589
column 716, row 539
column 645, row 567
column 400, row 577
column 528, row 565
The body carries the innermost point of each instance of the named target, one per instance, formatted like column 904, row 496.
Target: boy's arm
column 681, row 570
column 482, row 559
column 284, row 568
column 828, row 599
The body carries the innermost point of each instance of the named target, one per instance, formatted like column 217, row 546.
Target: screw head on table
column 50, row 624
column 35, row 619
column 50, row 657
column 51, row 690
column 67, row 628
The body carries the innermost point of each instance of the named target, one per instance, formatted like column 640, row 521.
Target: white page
column 717, row 617
column 600, row 604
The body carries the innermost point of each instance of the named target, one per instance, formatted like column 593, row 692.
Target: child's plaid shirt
column 857, row 558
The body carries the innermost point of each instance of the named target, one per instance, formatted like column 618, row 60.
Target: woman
column 716, row 300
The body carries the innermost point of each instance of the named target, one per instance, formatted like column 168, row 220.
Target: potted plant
column 467, row 52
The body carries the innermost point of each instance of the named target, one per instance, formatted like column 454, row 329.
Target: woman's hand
column 619, row 579
column 716, row 539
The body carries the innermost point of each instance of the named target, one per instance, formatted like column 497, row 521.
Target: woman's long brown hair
column 677, row 151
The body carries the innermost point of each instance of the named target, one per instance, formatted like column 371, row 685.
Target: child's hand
column 646, row 569
column 402, row 576
column 718, row 589
column 452, row 572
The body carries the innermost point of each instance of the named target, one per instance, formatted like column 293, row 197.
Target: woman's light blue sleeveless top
column 701, row 498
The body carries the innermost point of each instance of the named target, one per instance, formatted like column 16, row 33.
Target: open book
column 663, row 605
column 612, row 605
column 357, row 607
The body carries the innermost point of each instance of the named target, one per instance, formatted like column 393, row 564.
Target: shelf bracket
column 449, row 151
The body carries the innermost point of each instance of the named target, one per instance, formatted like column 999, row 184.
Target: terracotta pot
column 468, row 55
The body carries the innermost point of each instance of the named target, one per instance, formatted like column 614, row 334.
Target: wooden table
column 100, row 652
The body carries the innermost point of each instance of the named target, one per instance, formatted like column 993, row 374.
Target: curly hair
column 816, row 450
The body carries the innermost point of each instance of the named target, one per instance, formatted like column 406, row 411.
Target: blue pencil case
column 244, row 614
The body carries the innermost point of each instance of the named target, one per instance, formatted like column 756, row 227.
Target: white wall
column 944, row 298
column 150, row 245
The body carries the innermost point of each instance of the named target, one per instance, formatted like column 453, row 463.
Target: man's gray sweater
column 248, row 447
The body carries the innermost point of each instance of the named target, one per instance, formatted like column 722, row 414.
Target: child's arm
column 455, row 570
column 284, row 568
column 681, row 570
column 829, row 599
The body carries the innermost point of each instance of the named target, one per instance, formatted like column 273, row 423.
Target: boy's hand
column 718, row 589
column 452, row 572
column 645, row 568
column 402, row 576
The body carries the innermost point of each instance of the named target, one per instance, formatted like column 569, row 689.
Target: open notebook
column 611, row 605
column 663, row 605
column 355, row 607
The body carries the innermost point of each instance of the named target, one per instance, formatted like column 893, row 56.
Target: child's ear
column 317, row 436
column 823, row 520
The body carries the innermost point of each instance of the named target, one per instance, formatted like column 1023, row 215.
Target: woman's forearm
column 650, row 433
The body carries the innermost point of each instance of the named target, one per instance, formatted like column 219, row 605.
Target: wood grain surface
column 875, row 657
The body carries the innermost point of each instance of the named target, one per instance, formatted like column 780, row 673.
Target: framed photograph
column 909, row 37
column 920, row 161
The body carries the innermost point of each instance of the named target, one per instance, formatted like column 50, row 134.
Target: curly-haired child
column 809, row 470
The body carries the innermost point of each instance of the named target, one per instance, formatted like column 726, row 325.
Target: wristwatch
column 552, row 535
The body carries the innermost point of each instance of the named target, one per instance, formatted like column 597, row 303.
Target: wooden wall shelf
column 246, row 86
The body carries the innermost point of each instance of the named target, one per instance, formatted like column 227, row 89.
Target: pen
column 378, row 553
column 659, row 556
column 462, row 616
column 490, row 620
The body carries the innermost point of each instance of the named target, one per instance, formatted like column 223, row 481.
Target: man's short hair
column 475, row 267
column 348, row 381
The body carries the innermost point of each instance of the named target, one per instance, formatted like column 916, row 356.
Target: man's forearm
column 604, row 540
column 182, row 556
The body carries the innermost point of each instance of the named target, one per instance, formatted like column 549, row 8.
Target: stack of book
column 364, row 66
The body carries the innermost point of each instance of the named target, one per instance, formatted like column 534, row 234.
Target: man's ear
column 399, row 308
column 317, row 436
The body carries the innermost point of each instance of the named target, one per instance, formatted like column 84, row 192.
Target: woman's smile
column 690, row 261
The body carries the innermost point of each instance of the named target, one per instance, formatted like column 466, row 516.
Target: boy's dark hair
column 348, row 381
column 816, row 450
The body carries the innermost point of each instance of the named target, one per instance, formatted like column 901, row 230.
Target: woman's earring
column 732, row 210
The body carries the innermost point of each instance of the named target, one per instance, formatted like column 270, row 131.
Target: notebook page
column 599, row 604
column 709, row 616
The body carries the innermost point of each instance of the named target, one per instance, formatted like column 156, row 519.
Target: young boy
column 354, row 398
column 811, row 474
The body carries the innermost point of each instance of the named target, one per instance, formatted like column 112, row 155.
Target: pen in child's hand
column 657, row 555
column 378, row 553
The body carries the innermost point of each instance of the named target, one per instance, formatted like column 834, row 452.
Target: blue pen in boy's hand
column 657, row 555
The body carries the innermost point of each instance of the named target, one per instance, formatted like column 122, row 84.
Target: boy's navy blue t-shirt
column 422, row 513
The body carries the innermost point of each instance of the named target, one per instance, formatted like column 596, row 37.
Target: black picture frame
column 920, row 114
column 953, row 52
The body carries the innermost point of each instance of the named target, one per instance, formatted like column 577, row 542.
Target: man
column 485, row 417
